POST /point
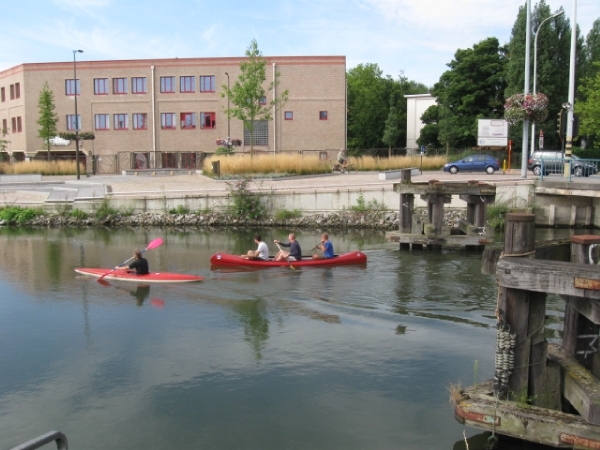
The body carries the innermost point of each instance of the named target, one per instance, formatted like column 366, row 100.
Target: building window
column 167, row 121
column 167, row 84
column 208, row 120
column 120, row 122
column 71, row 125
column 13, row 121
column 101, row 121
column 72, row 87
column 138, row 85
column 140, row 121
column 288, row 115
column 207, row 83
column 19, row 125
column 17, row 90
column 187, row 120
column 322, row 115
column 100, row 86
column 4, row 126
column 119, row 85
column 262, row 100
column 261, row 133
column 187, row 84
column 3, row 94
column 12, row 91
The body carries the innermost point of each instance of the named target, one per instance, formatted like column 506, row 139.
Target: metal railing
column 53, row 436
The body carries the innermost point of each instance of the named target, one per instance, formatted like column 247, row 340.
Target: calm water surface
column 356, row 357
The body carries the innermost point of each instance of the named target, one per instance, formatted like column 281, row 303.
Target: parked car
column 474, row 163
column 553, row 161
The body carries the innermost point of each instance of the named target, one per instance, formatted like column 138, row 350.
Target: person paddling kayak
column 140, row 264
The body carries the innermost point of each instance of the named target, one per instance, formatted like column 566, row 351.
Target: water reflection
column 253, row 316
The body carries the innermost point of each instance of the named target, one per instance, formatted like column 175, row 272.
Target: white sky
column 417, row 37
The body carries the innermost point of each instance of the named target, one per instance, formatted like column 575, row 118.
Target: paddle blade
column 155, row 243
column 157, row 303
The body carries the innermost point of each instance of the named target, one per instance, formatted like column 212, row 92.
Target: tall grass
column 296, row 164
column 41, row 167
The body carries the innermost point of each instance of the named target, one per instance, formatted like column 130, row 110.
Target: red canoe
column 224, row 259
column 152, row 277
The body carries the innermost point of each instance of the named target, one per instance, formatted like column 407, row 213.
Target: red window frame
column 121, row 121
column 167, row 121
column 100, row 86
column 208, row 120
column 187, row 120
column 288, row 115
column 167, row 85
column 17, row 90
column 323, row 115
column 101, row 121
column 187, row 84
column 3, row 94
column 72, row 87
column 207, row 83
column 140, row 121
column 119, row 86
column 139, row 85
column 70, row 122
column 262, row 100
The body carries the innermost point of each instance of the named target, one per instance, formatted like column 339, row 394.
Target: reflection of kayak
column 152, row 277
column 224, row 259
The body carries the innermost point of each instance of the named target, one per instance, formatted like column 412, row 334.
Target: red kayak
column 224, row 259
column 152, row 277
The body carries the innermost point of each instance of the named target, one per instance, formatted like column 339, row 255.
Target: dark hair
column 137, row 253
column 257, row 237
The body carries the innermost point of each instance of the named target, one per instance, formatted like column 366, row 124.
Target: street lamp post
column 535, row 69
column 228, row 116
column 76, row 119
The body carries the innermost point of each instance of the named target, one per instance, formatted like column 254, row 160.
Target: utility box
column 216, row 168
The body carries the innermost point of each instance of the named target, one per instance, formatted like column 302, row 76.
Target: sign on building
column 492, row 133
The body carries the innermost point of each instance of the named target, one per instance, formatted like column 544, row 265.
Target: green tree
column 248, row 94
column 588, row 110
column 592, row 51
column 472, row 89
column 430, row 133
column 392, row 129
column 3, row 141
column 48, row 118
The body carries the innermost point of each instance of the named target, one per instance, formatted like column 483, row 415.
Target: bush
column 496, row 214
column 16, row 214
column 179, row 210
column 78, row 214
column 224, row 151
column 285, row 214
column 105, row 210
column 244, row 203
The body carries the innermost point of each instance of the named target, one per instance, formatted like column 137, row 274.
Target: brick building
column 172, row 105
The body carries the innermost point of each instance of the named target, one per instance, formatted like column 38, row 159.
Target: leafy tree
column 592, row 50
column 429, row 135
column 588, row 110
column 48, row 118
column 392, row 130
column 473, row 88
column 248, row 92
column 3, row 141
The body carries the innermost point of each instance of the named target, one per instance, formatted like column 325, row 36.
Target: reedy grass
column 42, row 167
column 297, row 164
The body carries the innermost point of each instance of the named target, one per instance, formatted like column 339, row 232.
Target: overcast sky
column 417, row 37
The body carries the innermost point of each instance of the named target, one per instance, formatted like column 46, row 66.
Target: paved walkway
column 67, row 188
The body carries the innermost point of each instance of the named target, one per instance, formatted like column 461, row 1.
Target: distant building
column 416, row 105
column 172, row 105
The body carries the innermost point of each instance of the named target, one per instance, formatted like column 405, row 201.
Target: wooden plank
column 445, row 189
column 586, row 283
column 546, row 276
column 445, row 241
column 581, row 388
column 538, row 382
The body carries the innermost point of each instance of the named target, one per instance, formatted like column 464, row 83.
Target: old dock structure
column 541, row 392
column 415, row 233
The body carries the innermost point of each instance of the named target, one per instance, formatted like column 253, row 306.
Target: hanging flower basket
column 533, row 107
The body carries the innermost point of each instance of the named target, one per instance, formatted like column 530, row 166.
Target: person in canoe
column 140, row 264
column 326, row 247
column 295, row 253
column 261, row 253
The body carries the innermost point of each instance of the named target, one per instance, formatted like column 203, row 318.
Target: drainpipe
column 153, row 117
column 274, row 109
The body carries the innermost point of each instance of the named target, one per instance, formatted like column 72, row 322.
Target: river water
column 355, row 357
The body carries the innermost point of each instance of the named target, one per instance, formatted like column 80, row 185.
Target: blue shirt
column 328, row 249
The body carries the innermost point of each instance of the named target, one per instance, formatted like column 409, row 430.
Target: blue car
column 474, row 163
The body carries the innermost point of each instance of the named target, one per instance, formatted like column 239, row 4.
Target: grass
column 285, row 214
column 297, row 164
column 496, row 215
column 16, row 214
column 41, row 167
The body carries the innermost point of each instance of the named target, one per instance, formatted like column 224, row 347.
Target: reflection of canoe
column 152, row 277
column 224, row 259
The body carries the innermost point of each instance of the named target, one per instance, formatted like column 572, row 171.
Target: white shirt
column 263, row 250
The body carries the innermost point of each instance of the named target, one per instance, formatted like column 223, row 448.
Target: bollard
column 216, row 168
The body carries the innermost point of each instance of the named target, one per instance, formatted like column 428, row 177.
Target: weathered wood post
column 580, row 329
column 525, row 312
column 407, row 203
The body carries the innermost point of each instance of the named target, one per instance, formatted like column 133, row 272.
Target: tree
column 429, row 135
column 592, row 51
column 392, row 130
column 48, row 118
column 248, row 94
column 588, row 110
column 472, row 89
column 4, row 142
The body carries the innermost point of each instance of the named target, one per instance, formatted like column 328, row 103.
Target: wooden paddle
column 288, row 261
column 152, row 245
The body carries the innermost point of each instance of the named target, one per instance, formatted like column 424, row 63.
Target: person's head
column 137, row 254
column 257, row 237
column 324, row 237
column 291, row 237
column 343, row 151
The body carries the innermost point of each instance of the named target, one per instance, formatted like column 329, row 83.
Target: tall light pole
column 525, row 140
column 571, row 101
column 535, row 69
column 76, row 119
column 228, row 116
